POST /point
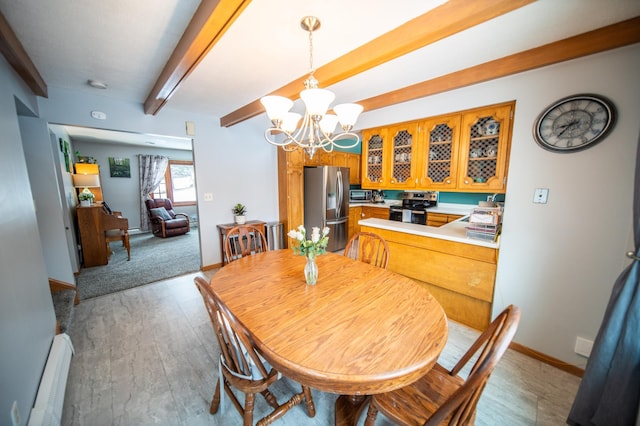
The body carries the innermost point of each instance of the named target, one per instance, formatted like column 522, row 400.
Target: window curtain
column 152, row 168
column 609, row 392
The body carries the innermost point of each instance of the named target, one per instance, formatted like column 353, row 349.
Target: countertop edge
column 454, row 231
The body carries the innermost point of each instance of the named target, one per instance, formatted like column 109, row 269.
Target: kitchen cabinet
column 401, row 155
column 438, row 156
column 350, row 160
column 355, row 214
column 377, row 212
column 439, row 219
column 460, row 276
column 467, row 151
column 485, row 144
column 374, row 158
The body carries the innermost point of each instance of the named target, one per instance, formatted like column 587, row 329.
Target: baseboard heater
column 47, row 410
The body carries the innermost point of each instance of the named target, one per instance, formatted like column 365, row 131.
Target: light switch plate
column 540, row 195
column 208, row 196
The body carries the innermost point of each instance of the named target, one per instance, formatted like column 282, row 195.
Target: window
column 178, row 184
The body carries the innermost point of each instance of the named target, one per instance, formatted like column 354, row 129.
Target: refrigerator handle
column 340, row 193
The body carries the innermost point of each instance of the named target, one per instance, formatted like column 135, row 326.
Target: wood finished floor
column 148, row 356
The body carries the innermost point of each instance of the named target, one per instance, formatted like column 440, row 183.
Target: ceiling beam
column 210, row 21
column 14, row 53
column 437, row 24
column 610, row 37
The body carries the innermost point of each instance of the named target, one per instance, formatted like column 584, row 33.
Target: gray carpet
column 152, row 259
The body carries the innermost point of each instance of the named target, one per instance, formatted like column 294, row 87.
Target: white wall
column 43, row 179
column 27, row 321
column 235, row 165
column 558, row 261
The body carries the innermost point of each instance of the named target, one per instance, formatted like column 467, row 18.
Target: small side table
column 225, row 227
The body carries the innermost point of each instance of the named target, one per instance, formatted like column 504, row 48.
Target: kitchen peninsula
column 459, row 271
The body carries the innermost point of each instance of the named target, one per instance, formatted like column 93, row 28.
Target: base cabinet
column 460, row 276
column 439, row 219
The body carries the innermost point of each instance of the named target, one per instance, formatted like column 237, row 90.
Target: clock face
column 574, row 123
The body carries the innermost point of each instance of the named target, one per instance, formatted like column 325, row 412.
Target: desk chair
column 244, row 240
column 442, row 397
column 369, row 248
column 116, row 228
column 242, row 367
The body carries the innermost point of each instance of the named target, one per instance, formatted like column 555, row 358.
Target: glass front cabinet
column 485, row 144
column 460, row 152
column 373, row 157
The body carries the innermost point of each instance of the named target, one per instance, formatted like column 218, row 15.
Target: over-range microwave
column 360, row 196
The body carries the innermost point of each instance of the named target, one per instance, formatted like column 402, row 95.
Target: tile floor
column 147, row 356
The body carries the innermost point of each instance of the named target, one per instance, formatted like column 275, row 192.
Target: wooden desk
column 223, row 228
column 361, row 330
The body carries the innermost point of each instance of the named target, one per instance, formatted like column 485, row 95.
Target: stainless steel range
column 414, row 207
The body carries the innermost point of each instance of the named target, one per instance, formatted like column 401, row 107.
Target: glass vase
column 311, row 270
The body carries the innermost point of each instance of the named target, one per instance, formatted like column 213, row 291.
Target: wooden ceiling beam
column 17, row 57
column 209, row 23
column 610, row 37
column 437, row 24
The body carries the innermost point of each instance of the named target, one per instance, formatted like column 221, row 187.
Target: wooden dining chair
column 442, row 397
column 369, row 248
column 242, row 367
column 244, row 240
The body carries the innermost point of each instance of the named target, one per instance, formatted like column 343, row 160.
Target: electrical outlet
column 15, row 414
column 583, row 346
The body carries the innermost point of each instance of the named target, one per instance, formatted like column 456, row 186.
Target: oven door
column 395, row 213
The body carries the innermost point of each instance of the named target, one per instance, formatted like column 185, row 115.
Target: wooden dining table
column 360, row 330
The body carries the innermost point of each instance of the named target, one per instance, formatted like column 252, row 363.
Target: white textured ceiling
column 126, row 44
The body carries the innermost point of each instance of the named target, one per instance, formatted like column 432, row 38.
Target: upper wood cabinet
column 438, row 157
column 466, row 151
column 485, row 145
column 374, row 158
column 402, row 156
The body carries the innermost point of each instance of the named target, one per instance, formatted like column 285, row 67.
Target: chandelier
column 318, row 127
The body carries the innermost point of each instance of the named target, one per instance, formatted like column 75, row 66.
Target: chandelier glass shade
column 318, row 128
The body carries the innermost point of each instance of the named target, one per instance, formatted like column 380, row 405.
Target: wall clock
column 574, row 123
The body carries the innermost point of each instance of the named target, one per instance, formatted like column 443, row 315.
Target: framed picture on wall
column 119, row 167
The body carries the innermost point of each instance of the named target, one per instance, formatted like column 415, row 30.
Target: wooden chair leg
column 125, row 243
column 311, row 407
column 215, row 402
column 249, row 400
column 372, row 413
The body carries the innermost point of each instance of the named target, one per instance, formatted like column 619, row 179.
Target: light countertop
column 452, row 231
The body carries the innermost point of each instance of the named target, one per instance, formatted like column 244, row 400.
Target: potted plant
column 239, row 212
column 86, row 198
column 84, row 158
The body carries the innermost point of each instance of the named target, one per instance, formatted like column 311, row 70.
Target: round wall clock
column 574, row 123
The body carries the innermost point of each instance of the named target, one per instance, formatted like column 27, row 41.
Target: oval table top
column 360, row 330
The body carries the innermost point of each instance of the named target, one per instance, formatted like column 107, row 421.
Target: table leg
column 349, row 408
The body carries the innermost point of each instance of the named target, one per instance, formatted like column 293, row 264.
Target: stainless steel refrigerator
column 326, row 202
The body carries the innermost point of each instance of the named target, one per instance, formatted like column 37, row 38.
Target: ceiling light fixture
column 317, row 129
column 97, row 84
